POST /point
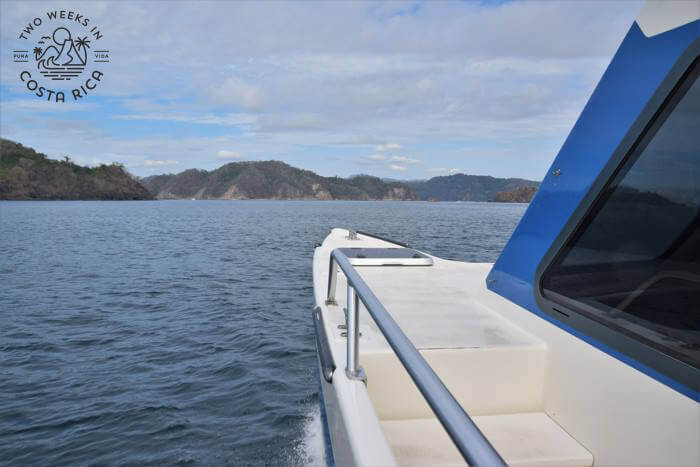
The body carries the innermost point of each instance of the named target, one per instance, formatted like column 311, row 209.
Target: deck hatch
column 386, row 257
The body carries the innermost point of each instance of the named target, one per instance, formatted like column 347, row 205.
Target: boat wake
column 312, row 449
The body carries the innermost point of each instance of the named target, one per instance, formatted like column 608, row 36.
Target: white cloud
column 236, row 92
column 376, row 157
column 223, row 154
column 291, row 121
column 398, row 168
column 159, row 163
column 253, row 73
column 405, row 160
column 232, row 119
column 388, row 147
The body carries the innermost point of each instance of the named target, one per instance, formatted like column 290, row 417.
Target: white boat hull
column 539, row 394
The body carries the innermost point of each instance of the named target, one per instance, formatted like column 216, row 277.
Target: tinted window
column 634, row 262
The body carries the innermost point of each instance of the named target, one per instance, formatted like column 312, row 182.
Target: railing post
column 332, row 279
column 353, row 370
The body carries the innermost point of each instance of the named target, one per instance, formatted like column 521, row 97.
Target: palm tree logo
column 37, row 52
column 82, row 43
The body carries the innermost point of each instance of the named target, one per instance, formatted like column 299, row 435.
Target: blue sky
column 401, row 89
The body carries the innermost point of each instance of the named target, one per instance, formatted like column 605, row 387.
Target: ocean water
column 180, row 332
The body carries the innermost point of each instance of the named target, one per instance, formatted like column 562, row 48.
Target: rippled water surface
column 180, row 331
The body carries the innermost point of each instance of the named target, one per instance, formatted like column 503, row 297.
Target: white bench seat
column 523, row 440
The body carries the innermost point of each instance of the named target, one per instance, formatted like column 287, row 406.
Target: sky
column 403, row 90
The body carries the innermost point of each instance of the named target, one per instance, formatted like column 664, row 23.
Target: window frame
column 615, row 342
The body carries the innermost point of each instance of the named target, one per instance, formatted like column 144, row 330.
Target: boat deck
column 493, row 368
column 432, row 304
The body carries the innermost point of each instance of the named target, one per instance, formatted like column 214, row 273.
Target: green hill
column 28, row 175
column 524, row 194
column 461, row 187
column 271, row 180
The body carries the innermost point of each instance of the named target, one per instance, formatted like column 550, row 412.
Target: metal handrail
column 471, row 442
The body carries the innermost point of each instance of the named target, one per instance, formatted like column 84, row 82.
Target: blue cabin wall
column 634, row 74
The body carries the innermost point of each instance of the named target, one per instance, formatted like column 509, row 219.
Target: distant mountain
column 524, row 194
column 27, row 174
column 462, row 187
column 271, row 180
